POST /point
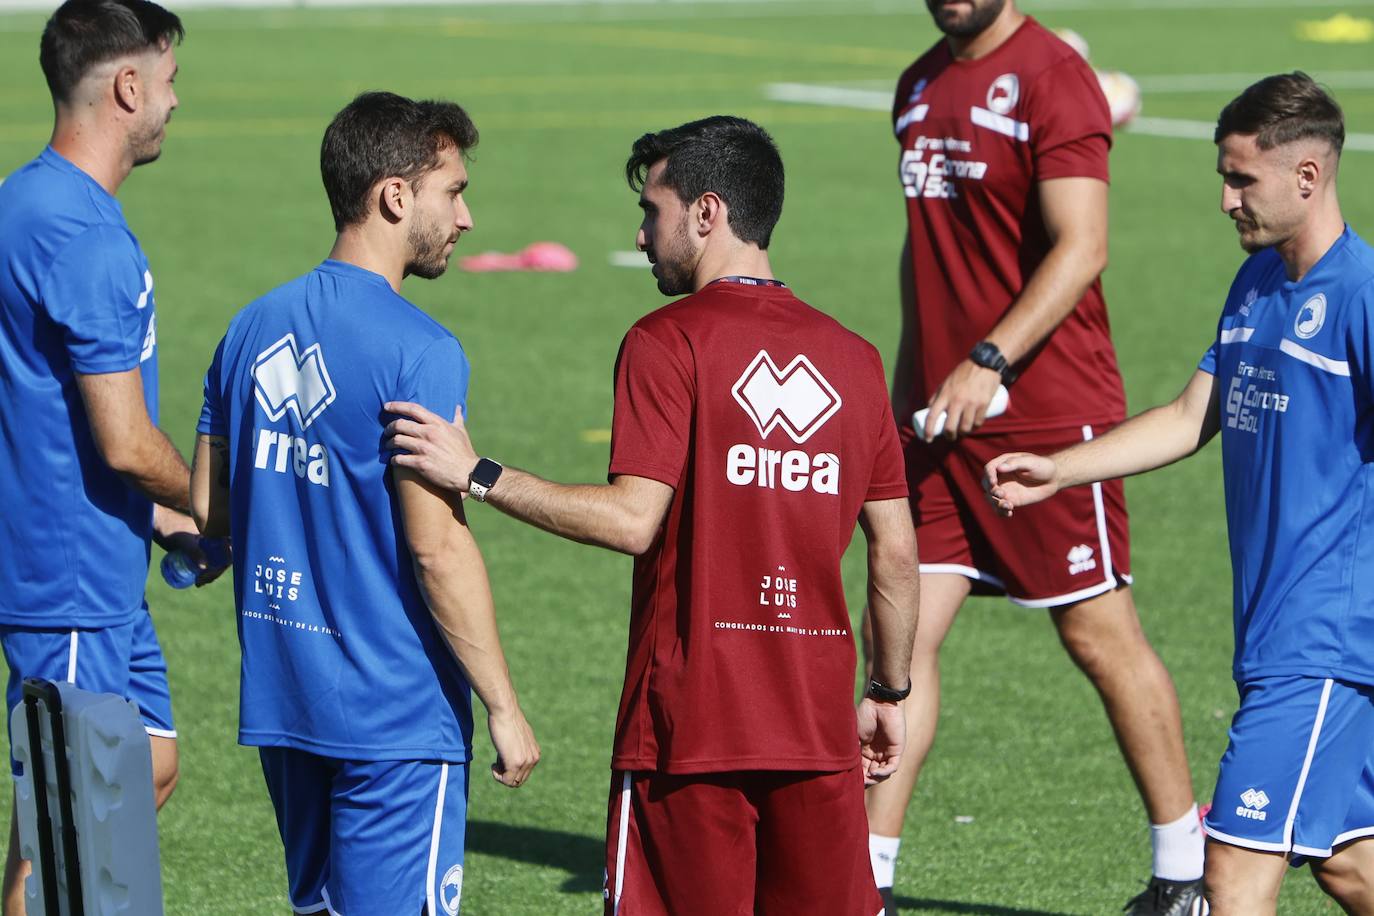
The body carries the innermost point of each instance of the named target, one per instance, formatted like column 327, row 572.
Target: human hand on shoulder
column 439, row 451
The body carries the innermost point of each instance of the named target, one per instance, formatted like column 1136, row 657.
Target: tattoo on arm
column 221, row 447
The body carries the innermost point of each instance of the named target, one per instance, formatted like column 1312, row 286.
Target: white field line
column 629, row 259
column 1214, row 82
column 873, row 100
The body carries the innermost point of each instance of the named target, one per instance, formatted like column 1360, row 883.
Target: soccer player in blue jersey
column 1289, row 384
column 86, row 477
column 364, row 611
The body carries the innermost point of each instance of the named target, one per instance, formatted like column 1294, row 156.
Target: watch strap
column 483, row 478
column 879, row 691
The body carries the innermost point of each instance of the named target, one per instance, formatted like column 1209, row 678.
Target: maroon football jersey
column 772, row 424
column 976, row 137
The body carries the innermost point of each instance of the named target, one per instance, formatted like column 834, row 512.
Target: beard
column 428, row 259
column 954, row 25
column 145, row 143
column 674, row 262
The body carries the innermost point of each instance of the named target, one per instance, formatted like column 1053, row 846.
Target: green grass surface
column 235, row 207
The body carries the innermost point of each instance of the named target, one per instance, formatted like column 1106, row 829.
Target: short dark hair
column 380, row 135
column 84, row 33
column 1283, row 108
column 729, row 156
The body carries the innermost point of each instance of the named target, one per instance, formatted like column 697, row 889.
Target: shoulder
column 934, row 57
column 1050, row 66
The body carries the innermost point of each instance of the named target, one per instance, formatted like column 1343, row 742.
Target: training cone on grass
column 540, row 256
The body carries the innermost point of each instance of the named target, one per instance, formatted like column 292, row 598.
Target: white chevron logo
column 286, row 379
column 1253, row 799
column 797, row 398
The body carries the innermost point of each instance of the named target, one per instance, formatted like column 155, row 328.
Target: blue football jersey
column 76, row 297
column 1295, row 366
column 340, row 655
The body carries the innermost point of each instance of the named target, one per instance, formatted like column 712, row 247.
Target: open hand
column 437, row 450
column 1019, row 479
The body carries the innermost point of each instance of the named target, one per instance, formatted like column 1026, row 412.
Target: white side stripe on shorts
column 1306, row 765
column 621, row 839
column 434, row 841
column 71, row 660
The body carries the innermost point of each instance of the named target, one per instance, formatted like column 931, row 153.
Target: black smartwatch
column 483, row 478
column 879, row 691
column 986, row 354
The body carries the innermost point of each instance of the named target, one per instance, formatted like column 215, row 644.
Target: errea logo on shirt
column 799, row 400
column 1253, row 804
column 286, row 379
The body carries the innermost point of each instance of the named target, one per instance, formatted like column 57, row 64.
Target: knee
column 1349, row 886
column 165, row 782
column 1088, row 651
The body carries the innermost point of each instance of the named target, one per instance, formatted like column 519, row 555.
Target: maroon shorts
column 736, row 844
column 1069, row 548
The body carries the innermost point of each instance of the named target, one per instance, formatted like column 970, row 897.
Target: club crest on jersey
column 1003, row 93
column 916, row 91
column 1310, row 317
column 451, row 890
column 1250, row 298
column 285, row 379
column 798, row 398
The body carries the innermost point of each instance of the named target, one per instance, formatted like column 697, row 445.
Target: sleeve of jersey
column 1071, row 126
column 1361, row 344
column 438, row 379
column 213, row 422
column 889, row 465
column 653, row 410
column 95, row 291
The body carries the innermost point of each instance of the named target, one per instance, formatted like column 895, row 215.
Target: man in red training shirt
column 1004, row 134
column 751, row 432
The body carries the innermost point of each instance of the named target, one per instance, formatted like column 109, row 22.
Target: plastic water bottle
column 179, row 569
column 1001, row 400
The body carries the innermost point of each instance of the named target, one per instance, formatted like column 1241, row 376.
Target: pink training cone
column 540, row 256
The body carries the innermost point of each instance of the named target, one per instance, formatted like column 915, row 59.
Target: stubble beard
column 427, row 258
column 975, row 24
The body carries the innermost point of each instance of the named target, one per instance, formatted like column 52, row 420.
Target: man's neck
column 94, row 151
column 991, row 38
column 740, row 261
column 1304, row 250
column 353, row 246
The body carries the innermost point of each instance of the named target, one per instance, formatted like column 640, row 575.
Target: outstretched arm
column 893, row 597
column 625, row 515
column 1153, row 439
column 453, row 579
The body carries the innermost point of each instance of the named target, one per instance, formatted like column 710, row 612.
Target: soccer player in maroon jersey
column 1004, row 136
column 751, row 431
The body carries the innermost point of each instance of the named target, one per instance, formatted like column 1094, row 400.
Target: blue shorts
column 369, row 836
column 1298, row 774
column 125, row 660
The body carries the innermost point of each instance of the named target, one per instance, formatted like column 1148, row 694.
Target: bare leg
column 941, row 596
column 1104, row 638
column 165, row 771
column 1243, row 882
column 1348, row 876
column 17, row 870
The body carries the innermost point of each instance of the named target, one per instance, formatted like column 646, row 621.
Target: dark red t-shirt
column 976, row 138
column 772, row 423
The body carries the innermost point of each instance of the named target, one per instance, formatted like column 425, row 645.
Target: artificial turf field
column 1024, row 806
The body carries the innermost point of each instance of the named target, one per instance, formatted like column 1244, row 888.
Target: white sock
column 882, row 853
column 1177, row 848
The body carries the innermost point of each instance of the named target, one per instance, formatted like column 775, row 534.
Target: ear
column 128, row 90
column 707, row 213
column 394, row 199
column 1309, row 173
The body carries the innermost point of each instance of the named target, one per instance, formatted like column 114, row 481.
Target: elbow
column 638, row 537
column 121, row 455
